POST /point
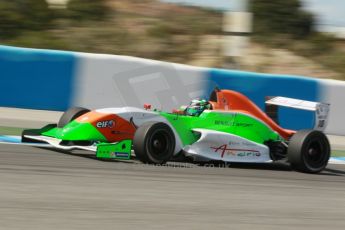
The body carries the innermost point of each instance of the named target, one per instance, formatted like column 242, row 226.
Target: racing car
column 228, row 127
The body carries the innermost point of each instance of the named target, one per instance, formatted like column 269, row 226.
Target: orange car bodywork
column 121, row 129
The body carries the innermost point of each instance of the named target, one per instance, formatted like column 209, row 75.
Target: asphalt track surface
column 45, row 189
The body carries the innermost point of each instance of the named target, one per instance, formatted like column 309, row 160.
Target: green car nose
column 75, row 131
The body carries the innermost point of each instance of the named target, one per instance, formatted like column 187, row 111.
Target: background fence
column 57, row 80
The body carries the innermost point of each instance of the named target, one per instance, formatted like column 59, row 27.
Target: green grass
column 338, row 153
column 10, row 131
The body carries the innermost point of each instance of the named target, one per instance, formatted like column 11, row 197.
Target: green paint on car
column 75, row 131
column 239, row 124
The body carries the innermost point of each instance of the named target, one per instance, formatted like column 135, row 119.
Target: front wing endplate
column 120, row 150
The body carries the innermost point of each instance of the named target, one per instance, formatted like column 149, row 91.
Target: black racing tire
column 154, row 143
column 309, row 151
column 70, row 115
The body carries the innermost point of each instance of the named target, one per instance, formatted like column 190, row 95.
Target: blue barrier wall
column 57, row 80
column 39, row 79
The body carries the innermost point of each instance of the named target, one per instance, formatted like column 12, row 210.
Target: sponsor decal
column 105, row 124
column 243, row 125
column 119, row 154
column 249, row 154
column 225, row 123
column 242, row 143
column 224, row 150
column 231, row 123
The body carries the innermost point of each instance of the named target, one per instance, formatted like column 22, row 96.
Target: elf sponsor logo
column 225, row 150
column 105, row 124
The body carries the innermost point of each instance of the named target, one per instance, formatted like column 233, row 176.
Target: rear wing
column 321, row 109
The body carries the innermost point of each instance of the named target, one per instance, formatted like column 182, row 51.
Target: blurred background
column 301, row 37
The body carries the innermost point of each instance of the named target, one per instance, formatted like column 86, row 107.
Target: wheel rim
column 158, row 144
column 315, row 155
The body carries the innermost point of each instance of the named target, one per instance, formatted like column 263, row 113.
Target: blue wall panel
column 38, row 79
column 43, row 79
column 257, row 86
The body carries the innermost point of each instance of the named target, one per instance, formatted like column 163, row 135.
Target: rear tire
column 154, row 143
column 70, row 115
column 309, row 151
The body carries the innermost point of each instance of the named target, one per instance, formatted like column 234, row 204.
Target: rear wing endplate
column 321, row 109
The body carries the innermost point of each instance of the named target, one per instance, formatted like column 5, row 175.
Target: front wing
column 119, row 150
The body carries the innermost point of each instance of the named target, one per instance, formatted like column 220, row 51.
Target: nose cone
column 95, row 126
column 113, row 127
column 77, row 131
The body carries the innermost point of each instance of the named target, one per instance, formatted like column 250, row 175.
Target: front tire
column 309, row 151
column 154, row 143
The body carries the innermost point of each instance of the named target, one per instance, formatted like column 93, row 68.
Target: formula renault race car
column 229, row 128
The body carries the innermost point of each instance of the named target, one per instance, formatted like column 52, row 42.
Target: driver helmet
column 197, row 106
